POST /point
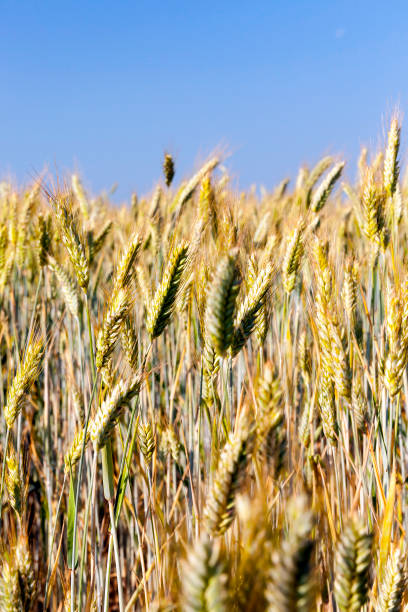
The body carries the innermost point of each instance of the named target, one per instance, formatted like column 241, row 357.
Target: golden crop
column 204, row 394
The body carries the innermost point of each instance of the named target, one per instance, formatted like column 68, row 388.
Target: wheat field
column 204, row 393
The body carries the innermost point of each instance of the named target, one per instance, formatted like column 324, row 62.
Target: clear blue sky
column 106, row 87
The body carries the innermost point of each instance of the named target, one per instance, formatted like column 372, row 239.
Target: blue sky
column 106, row 87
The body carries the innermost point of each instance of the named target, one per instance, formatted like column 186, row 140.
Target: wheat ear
column 162, row 305
column 393, row 584
column 168, row 169
column 246, row 317
column 220, row 305
column 352, row 564
column 391, row 166
column 104, row 421
column 25, row 569
column 322, row 193
column 73, row 243
column 314, row 176
column 14, row 484
column 73, row 455
column 204, row 581
column 10, row 592
column 24, row 378
column 111, row 326
column 219, row 509
column 291, row 578
column 69, row 288
column 124, row 272
column 292, row 258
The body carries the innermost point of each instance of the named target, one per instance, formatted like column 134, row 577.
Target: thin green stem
column 81, row 460
column 83, row 550
column 117, row 556
column 3, row 471
column 46, row 594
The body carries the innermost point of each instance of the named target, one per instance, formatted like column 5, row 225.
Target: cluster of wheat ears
column 204, row 394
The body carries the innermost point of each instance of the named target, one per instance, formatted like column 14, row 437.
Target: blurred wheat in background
column 205, row 394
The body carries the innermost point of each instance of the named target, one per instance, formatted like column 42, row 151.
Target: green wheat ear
column 69, row 287
column 168, row 169
column 291, row 584
column 96, row 243
column 220, row 307
column 163, row 303
column 391, row 166
column 246, row 318
column 44, row 239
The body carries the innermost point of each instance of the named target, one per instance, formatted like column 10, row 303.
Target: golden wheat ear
column 270, row 441
column 147, row 441
column 292, row 258
column 219, row 509
column 349, row 290
column 129, row 341
column 80, row 195
column 104, row 421
column 25, row 568
column 352, row 565
column 24, row 378
column 204, row 580
column 72, row 240
column 124, row 271
column 10, row 590
column 109, row 332
column 207, row 205
column 187, row 192
column 327, row 407
column 15, row 484
column 73, row 455
column 372, row 207
column 393, row 585
column 322, row 193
